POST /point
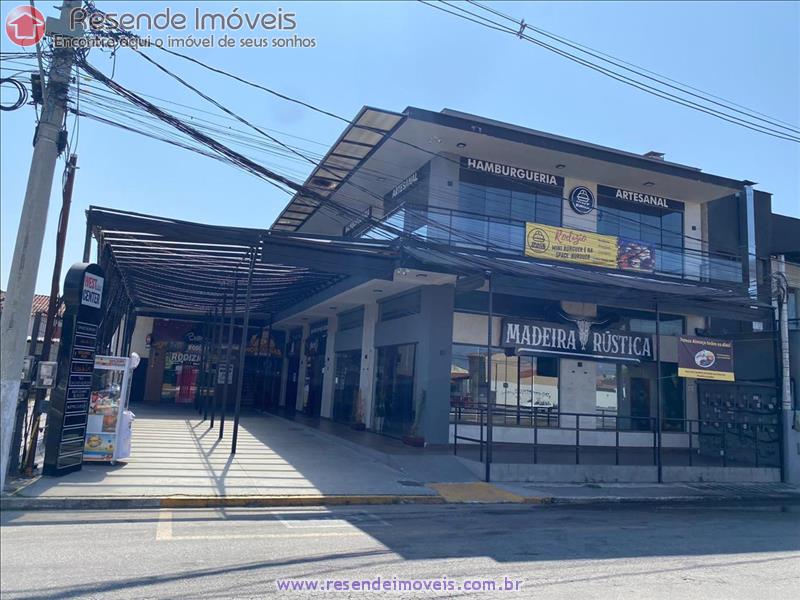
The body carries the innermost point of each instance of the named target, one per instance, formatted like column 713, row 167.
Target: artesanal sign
column 586, row 248
column 702, row 358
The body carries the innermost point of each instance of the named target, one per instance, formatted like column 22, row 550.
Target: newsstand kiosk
column 109, row 422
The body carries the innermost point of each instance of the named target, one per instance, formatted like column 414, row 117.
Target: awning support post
column 198, row 393
column 243, row 349
column 268, row 363
column 204, row 365
column 489, row 402
column 227, row 365
column 658, row 395
column 218, row 354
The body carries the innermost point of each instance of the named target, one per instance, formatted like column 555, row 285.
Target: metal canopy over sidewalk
column 171, row 266
column 182, row 267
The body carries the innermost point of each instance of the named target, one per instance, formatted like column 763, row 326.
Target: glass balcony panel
column 469, row 231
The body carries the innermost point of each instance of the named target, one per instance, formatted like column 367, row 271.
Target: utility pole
column 30, row 235
column 52, row 307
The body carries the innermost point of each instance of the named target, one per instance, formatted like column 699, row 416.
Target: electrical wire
column 296, row 187
column 532, row 186
column 653, row 76
column 485, row 22
column 22, row 92
column 343, row 211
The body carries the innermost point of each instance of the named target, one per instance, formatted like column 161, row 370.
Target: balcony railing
column 482, row 232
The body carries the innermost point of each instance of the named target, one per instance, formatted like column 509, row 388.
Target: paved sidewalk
column 178, row 461
column 174, row 453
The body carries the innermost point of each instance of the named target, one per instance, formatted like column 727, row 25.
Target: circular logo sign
column 25, row 25
column 538, row 241
column 705, row 358
column 582, row 200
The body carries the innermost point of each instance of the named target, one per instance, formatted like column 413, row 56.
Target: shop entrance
column 291, row 383
column 640, row 403
column 314, row 375
column 315, row 369
column 394, row 389
column 346, row 381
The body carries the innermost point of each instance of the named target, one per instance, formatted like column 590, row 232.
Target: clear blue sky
column 393, row 55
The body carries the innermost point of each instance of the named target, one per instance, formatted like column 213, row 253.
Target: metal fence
column 597, row 438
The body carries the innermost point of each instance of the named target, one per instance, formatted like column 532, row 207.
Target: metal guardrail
column 549, row 419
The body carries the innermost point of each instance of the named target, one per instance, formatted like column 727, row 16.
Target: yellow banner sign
column 569, row 245
column 705, row 374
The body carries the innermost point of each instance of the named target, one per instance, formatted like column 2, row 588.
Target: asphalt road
column 554, row 552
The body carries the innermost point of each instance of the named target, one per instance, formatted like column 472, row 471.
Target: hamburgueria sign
column 501, row 170
column 577, row 338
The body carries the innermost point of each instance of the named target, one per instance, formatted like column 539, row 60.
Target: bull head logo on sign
column 584, row 325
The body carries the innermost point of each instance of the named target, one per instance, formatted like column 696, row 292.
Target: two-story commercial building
column 582, row 272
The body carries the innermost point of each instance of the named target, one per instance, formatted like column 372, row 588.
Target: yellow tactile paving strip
column 478, row 492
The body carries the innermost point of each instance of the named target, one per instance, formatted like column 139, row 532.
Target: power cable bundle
column 22, row 98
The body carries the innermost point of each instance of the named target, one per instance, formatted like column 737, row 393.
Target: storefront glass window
column 668, row 324
column 468, row 376
column 394, row 390
column 661, row 227
column 637, row 395
column 518, row 384
column 794, row 322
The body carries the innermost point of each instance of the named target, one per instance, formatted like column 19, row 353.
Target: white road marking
column 164, row 531
column 328, row 519
column 164, row 528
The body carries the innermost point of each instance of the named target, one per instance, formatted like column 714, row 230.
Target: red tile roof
column 40, row 302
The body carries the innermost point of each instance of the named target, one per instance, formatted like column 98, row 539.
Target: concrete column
column 577, row 390
column 577, row 378
column 284, row 377
column 366, row 385
column 693, row 265
column 329, row 376
column 435, row 360
column 690, row 385
column 301, row 372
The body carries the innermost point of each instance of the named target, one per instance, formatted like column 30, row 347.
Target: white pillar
column 301, row 372
column 578, row 377
column 329, row 376
column 366, row 384
column 284, row 372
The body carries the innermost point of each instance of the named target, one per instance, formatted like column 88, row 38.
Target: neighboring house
column 40, row 302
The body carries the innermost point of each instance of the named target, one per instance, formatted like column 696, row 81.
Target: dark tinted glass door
column 394, row 390
column 346, row 380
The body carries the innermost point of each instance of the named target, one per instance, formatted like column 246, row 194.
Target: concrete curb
column 125, row 502
column 19, row 503
column 662, row 500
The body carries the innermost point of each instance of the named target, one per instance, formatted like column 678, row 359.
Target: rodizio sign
column 576, row 339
